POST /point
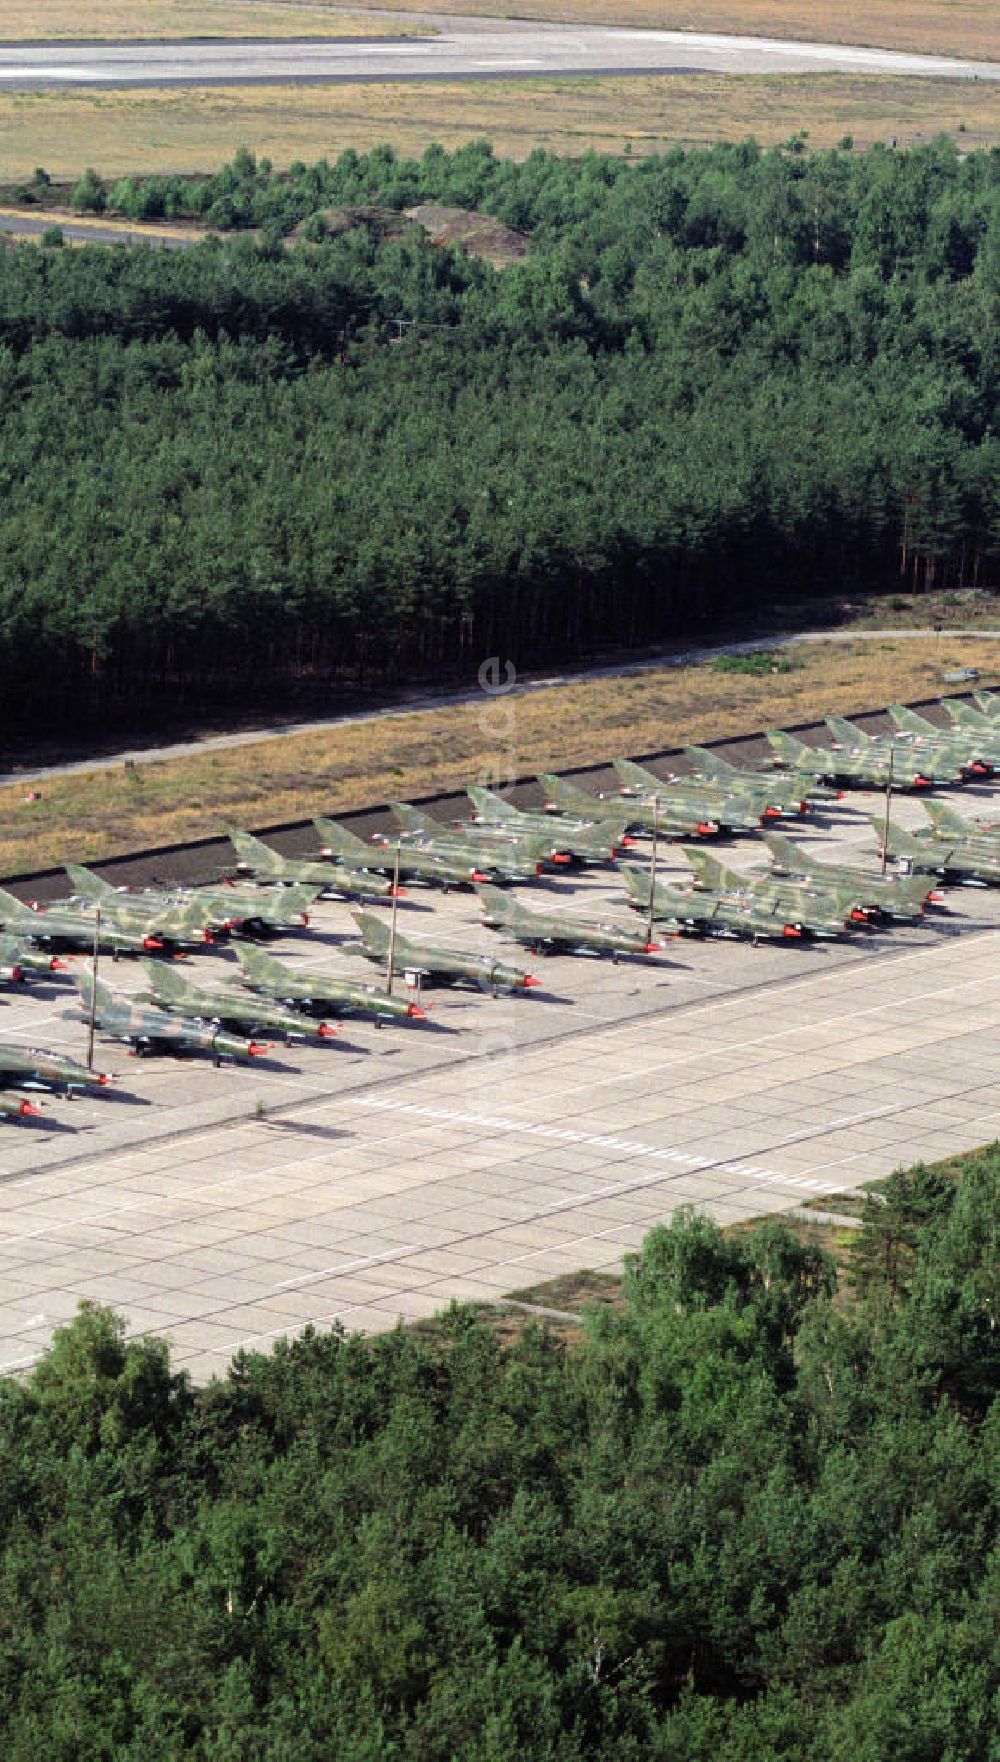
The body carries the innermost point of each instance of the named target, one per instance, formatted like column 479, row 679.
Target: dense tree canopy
column 742, row 1520
column 717, row 375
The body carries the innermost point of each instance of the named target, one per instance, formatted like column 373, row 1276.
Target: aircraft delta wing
column 674, row 819
column 565, row 838
column 63, row 926
column 307, row 990
column 811, row 910
column 687, row 913
column 32, row 1067
column 148, row 1029
column 171, row 991
column 547, row 932
column 438, row 965
column 893, row 896
column 266, row 865
column 923, row 853
column 415, row 864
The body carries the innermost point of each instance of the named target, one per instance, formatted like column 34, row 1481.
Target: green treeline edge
column 717, row 376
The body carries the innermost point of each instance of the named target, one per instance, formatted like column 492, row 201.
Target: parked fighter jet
column 496, row 859
column 780, row 796
column 892, row 896
column 415, row 863
column 728, row 809
column 177, row 922
column 977, row 719
column 924, row 853
column 148, row 1029
column 32, row 1067
column 225, row 907
column 973, row 755
column 551, row 932
column 436, row 965
column 864, row 768
column 266, row 865
column 674, row 819
column 911, row 770
column 307, row 990
column 955, row 828
column 810, row 910
column 18, row 957
column 63, row 926
column 687, row 913
column 171, row 990
column 573, row 839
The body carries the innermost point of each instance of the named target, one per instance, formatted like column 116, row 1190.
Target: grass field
column 22, row 20
column 104, row 813
column 194, row 131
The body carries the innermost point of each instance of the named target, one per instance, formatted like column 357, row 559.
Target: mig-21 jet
column 572, row 839
column 18, row 957
column 730, row 810
column 496, row 859
column 33, row 1067
column 65, row 926
column 309, row 990
column 911, row 769
column 555, row 933
column 171, row 990
column 898, row 897
column 673, row 819
column 226, row 906
column 415, row 863
column 782, row 797
column 256, row 858
column 684, row 912
column 967, row 864
column 811, row 910
column 862, row 768
column 148, row 1029
column 972, row 755
column 437, row 965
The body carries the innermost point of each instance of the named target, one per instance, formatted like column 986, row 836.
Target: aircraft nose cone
column 529, row 981
column 152, row 942
column 327, row 1030
column 415, row 1013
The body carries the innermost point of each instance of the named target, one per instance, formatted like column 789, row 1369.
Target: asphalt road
column 462, row 48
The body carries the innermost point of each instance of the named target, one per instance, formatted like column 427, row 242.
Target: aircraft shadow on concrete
column 297, row 1130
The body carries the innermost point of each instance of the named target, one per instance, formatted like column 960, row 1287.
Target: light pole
column 652, row 866
column 888, row 804
column 392, row 925
column 93, row 988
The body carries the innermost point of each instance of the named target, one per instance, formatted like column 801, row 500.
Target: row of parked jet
column 796, row 896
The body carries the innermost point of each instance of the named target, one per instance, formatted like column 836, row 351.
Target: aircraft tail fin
column 909, row 722
column 989, row 702
column 637, row 777
column 491, row 805
column 497, row 904
column 84, row 983
column 636, row 880
column 900, row 842
column 251, row 850
column 846, row 732
column 164, row 978
column 709, row 873
column 784, row 744
column 13, row 908
column 946, row 819
column 409, row 818
column 85, row 882
column 337, row 839
column 707, row 762
column 785, row 854
column 374, row 931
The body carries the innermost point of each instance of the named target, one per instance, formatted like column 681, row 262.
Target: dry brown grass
column 945, row 27
column 192, row 131
column 104, row 813
column 23, row 20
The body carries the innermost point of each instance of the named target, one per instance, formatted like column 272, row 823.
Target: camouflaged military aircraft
column 955, row 828
column 307, row 990
column 148, row 1029
column 437, row 965
column 415, row 862
column 910, row 769
column 18, row 957
column 496, row 859
column 683, row 912
column 729, row 810
column 13, row 1107
column 176, row 922
column 813, row 911
column 671, row 819
column 972, row 755
column 63, row 926
column 782, row 797
column 966, row 718
column 32, row 1067
column 967, row 865
column 575, row 841
column 248, row 910
column 268, row 866
column 171, row 990
column 989, row 703
column 858, row 768
column 557, row 933
column 899, row 898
